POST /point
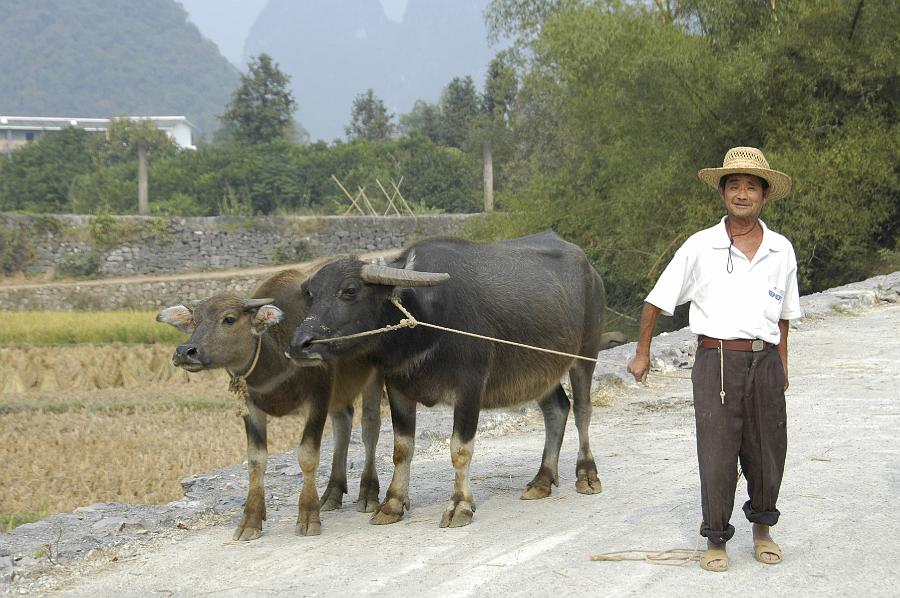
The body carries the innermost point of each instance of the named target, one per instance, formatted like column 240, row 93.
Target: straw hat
column 748, row 160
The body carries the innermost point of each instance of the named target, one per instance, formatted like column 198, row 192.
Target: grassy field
column 84, row 423
column 42, row 328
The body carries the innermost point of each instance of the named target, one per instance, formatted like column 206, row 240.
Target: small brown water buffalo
column 226, row 332
column 538, row 290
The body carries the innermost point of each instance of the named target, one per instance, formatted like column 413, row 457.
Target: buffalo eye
column 350, row 293
column 229, row 320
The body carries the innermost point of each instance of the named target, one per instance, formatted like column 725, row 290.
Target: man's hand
column 784, row 365
column 638, row 367
column 640, row 363
column 784, row 327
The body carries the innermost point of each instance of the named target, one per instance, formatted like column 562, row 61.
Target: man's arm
column 640, row 364
column 784, row 326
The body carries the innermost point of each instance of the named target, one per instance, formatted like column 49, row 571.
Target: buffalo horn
column 376, row 274
column 254, row 303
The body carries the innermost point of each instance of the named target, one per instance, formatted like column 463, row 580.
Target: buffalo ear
column 178, row 316
column 266, row 316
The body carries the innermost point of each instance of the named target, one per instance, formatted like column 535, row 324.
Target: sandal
column 714, row 554
column 761, row 547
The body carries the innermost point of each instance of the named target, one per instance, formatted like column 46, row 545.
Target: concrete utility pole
column 488, row 177
column 143, row 189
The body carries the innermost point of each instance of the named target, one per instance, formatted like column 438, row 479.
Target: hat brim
column 779, row 183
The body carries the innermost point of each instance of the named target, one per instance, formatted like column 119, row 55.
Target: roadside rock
column 675, row 350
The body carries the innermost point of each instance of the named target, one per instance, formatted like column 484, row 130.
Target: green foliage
column 622, row 103
column 107, row 57
column 106, row 232
column 111, row 189
column 460, row 105
column 262, row 107
column 424, row 118
column 125, row 136
column 36, row 178
column 369, row 119
column 284, row 177
column 16, row 250
column 82, row 265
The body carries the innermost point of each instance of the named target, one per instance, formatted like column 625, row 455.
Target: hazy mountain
column 100, row 58
column 226, row 22
column 335, row 50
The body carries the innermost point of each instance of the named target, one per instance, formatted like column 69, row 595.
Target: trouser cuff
column 761, row 517
column 719, row 537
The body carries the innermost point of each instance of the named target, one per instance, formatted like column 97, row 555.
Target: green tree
column 128, row 139
column 262, row 107
column 622, row 103
column 491, row 131
column 460, row 106
column 424, row 118
column 37, row 177
column 369, row 119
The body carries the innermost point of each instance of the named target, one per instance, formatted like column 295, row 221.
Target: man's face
column 743, row 196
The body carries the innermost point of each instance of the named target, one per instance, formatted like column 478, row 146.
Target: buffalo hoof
column 458, row 514
column 308, row 525
column 390, row 511
column 332, row 498
column 366, row 504
column 588, row 484
column 245, row 534
column 535, row 491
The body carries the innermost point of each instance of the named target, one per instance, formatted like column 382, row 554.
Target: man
column 741, row 280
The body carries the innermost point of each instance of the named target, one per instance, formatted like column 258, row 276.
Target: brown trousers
column 750, row 427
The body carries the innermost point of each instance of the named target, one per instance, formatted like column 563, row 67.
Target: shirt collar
column 720, row 238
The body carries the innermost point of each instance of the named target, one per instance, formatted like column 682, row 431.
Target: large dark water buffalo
column 226, row 332
column 538, row 290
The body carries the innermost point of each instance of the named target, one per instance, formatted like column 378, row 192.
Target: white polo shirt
column 746, row 303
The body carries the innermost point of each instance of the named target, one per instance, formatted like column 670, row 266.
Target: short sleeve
column 790, row 309
column 676, row 284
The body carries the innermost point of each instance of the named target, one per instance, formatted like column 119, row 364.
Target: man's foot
column 715, row 558
column 765, row 550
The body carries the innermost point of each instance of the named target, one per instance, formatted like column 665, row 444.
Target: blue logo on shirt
column 775, row 295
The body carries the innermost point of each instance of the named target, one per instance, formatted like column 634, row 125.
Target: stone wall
column 157, row 250
column 136, row 245
column 143, row 294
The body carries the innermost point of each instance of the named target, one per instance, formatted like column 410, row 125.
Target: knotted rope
column 672, row 556
column 238, row 384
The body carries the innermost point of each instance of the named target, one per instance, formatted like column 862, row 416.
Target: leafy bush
column 15, row 250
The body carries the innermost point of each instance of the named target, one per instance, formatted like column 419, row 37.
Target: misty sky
column 333, row 51
column 227, row 22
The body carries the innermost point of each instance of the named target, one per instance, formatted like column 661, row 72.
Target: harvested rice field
column 103, row 423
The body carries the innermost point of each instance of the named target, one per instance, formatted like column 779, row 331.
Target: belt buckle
column 757, row 345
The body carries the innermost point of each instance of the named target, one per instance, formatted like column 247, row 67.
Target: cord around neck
column 729, row 265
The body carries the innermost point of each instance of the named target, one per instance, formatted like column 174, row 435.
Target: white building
column 16, row 131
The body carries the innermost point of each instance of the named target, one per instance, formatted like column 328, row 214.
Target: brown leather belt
column 740, row 344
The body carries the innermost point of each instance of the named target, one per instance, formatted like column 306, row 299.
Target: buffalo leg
column 555, row 407
column 403, row 418
column 586, row 480
column 371, row 427
column 341, row 426
column 250, row 527
column 308, row 522
column 462, row 445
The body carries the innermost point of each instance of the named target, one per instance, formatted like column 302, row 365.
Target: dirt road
column 838, row 500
